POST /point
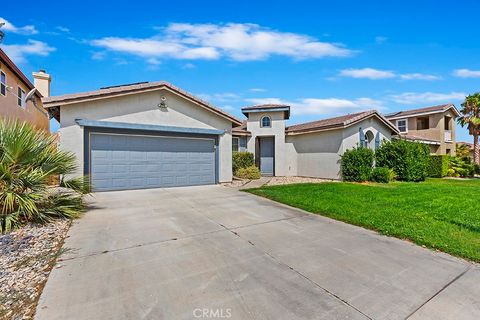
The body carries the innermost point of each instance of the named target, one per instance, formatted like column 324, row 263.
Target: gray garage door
column 120, row 162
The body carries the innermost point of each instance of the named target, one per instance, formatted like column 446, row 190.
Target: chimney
column 41, row 81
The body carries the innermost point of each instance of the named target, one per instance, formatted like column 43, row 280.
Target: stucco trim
column 146, row 127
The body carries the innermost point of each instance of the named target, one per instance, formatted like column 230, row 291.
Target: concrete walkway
column 201, row 252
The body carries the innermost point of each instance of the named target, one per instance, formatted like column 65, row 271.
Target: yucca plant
column 28, row 160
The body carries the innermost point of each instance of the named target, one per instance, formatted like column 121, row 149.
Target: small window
column 21, row 97
column 235, row 143
column 446, row 121
column 402, row 125
column 3, row 83
column 423, row 123
column 265, row 122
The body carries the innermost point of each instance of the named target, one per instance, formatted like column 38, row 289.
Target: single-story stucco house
column 148, row 135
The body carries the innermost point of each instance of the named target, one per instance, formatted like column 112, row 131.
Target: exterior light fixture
column 163, row 103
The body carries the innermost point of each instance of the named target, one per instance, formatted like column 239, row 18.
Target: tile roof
column 107, row 92
column 336, row 122
column 418, row 138
column 413, row 112
column 266, row 106
column 241, row 129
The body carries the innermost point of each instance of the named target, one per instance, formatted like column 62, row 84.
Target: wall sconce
column 163, row 103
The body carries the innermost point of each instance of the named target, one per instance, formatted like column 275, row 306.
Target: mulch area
column 27, row 256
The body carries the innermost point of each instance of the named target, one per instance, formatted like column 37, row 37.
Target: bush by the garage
column 438, row 166
column 241, row 159
column 357, row 164
column 408, row 159
column 250, row 172
column 382, row 175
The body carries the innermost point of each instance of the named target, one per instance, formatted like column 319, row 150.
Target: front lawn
column 439, row 213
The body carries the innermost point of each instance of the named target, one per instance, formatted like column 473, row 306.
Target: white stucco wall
column 142, row 109
column 319, row 154
column 277, row 130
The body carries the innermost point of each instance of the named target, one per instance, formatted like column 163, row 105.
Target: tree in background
column 471, row 119
column 463, row 150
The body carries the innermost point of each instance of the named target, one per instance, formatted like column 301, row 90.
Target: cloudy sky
column 324, row 58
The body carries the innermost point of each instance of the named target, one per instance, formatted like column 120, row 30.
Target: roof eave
column 69, row 101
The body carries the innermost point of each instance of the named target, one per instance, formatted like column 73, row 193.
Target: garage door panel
column 121, row 162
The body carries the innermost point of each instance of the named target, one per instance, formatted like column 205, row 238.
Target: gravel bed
column 290, row 180
column 26, row 258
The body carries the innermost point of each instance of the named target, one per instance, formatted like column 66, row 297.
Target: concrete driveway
column 214, row 252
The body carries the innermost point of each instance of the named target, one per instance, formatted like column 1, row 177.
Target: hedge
column 438, row 166
column 250, row 172
column 241, row 160
column 356, row 164
column 383, row 175
column 408, row 159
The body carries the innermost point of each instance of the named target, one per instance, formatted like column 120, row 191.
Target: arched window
column 369, row 139
column 265, row 122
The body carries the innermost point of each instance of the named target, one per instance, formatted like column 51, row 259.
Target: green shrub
column 476, row 168
column 460, row 167
column 28, row 161
column 250, row 172
column 438, row 166
column 357, row 164
column 241, row 160
column 383, row 175
column 408, row 159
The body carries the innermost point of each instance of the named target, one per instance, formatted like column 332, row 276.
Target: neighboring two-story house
column 14, row 90
column 434, row 126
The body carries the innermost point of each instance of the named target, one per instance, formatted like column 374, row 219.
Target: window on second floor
column 446, row 121
column 265, row 122
column 3, row 83
column 21, row 97
column 423, row 123
column 402, row 125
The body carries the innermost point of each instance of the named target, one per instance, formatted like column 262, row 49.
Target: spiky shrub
column 29, row 159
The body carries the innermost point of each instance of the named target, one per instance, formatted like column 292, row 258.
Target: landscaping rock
column 26, row 258
column 291, row 180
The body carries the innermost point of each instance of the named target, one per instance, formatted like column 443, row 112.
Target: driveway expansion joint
column 439, row 291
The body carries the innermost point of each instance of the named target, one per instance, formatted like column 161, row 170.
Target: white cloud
column 257, row 90
column 99, row 55
column 367, row 73
column 25, row 30
column 466, row 73
column 63, row 29
column 317, row 106
column 426, row 97
column 380, row 39
column 188, row 66
column 219, row 97
column 240, row 42
column 375, row 74
column 419, row 76
column 18, row 52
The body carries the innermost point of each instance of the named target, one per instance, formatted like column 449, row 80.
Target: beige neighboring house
column 434, row 126
column 14, row 88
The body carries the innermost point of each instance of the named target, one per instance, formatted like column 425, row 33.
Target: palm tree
column 29, row 159
column 471, row 119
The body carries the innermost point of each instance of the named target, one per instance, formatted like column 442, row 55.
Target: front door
column 266, row 155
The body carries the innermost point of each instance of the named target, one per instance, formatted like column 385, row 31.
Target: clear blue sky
column 324, row 58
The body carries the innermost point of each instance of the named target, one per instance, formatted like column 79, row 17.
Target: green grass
column 438, row 213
